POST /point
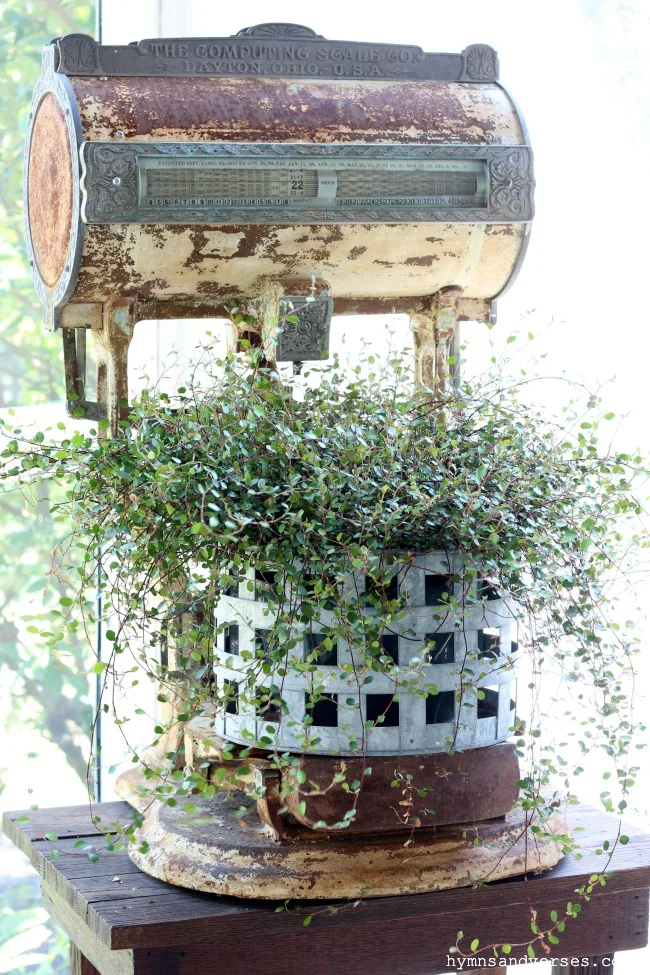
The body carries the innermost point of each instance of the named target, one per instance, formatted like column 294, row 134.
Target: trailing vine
column 312, row 485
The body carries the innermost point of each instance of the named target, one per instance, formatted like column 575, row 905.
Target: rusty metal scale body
column 166, row 178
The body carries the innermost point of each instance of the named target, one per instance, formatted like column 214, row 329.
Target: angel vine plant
column 308, row 484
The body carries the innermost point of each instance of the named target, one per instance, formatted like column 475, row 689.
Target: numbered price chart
column 190, row 183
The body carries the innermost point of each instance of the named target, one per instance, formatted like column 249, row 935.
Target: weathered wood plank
column 73, row 864
column 138, row 923
column 120, row 886
column 106, row 962
column 79, row 964
column 72, row 820
column 143, row 913
column 412, row 948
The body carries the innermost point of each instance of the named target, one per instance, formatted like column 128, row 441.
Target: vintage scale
column 290, row 173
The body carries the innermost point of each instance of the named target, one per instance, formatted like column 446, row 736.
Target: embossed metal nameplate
column 300, row 183
column 272, row 51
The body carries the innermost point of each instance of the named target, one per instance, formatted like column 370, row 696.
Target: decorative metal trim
column 307, row 339
column 273, row 51
column 110, row 191
column 279, row 30
column 57, row 84
column 79, row 55
column 514, row 274
column 480, row 64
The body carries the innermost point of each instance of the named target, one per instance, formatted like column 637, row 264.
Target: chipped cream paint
column 181, row 265
column 220, row 244
column 167, row 262
column 208, row 851
column 388, row 261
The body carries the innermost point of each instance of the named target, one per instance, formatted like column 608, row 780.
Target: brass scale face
column 310, row 182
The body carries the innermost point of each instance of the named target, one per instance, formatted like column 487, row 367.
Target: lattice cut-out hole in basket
column 383, row 592
column 324, row 711
column 440, row 648
column 383, row 710
column 438, row 589
column 441, row 707
column 389, row 646
column 231, row 639
column 316, row 646
column 231, row 696
column 269, row 703
column 488, row 705
column 489, row 643
column 486, row 590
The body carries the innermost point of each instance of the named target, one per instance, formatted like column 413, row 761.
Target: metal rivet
column 119, row 134
column 117, row 181
column 103, row 78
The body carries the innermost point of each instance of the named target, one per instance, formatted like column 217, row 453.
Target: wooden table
column 120, row 921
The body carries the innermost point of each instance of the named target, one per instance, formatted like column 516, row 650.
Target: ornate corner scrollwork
column 480, row 63
column 114, row 184
column 511, row 184
column 78, row 54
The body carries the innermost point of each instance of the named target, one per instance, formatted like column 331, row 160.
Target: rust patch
column 356, row 252
column 471, row 786
column 257, row 238
column 280, row 110
column 205, row 851
column 381, row 306
column 425, row 261
column 49, row 193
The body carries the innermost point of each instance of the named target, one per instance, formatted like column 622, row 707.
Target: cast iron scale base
column 232, row 844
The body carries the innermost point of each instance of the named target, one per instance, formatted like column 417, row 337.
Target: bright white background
column 581, row 74
column 580, row 71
